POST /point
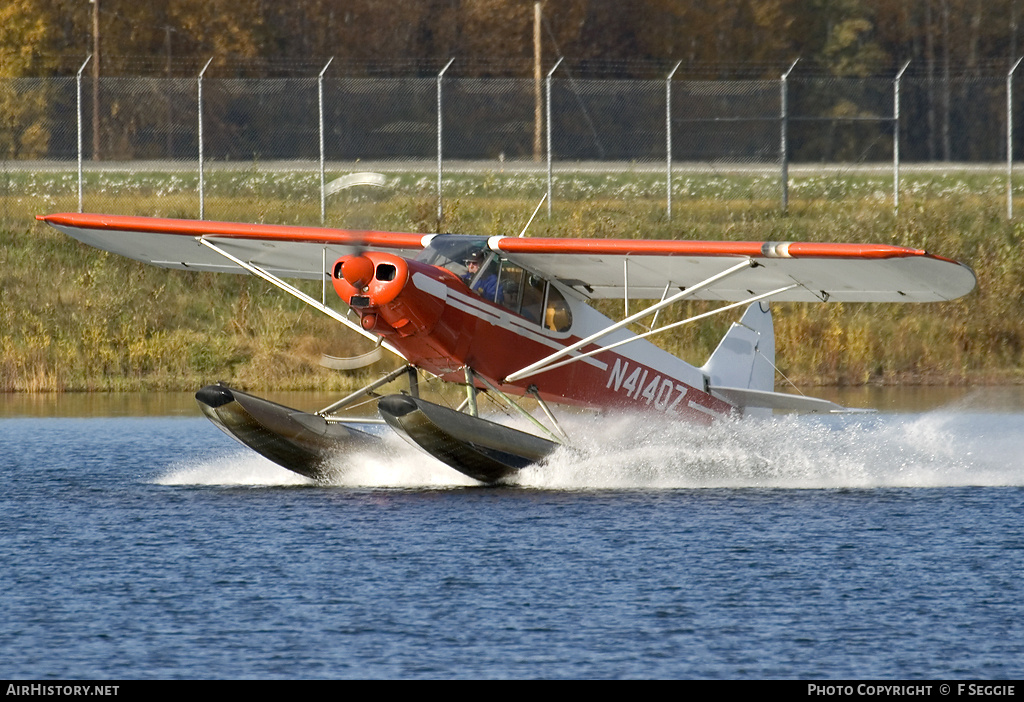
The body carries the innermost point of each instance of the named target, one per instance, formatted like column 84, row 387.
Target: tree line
column 958, row 52
column 630, row 39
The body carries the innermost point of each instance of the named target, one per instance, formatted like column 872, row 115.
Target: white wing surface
column 285, row 251
column 597, row 268
column 600, row 268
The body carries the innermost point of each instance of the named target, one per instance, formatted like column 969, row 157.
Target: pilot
column 487, row 286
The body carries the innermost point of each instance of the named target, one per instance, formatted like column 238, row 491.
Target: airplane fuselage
column 442, row 325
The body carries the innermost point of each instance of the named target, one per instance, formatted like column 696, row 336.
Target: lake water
column 137, row 541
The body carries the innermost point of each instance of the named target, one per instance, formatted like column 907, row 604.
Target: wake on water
column 862, row 451
column 943, row 448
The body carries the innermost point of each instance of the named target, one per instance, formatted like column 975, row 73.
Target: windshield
column 454, row 251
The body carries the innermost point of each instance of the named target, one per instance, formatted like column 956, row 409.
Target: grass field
column 73, row 318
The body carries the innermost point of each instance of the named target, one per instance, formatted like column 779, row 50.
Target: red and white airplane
column 510, row 316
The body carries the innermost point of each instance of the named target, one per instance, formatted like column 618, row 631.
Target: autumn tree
column 25, row 26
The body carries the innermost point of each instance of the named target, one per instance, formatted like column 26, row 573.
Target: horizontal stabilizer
column 742, row 397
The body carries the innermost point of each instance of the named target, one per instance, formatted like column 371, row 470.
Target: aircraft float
column 509, row 316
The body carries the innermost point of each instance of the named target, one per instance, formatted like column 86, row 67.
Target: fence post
column 668, row 140
column 1009, row 140
column 202, row 210
column 783, row 140
column 537, row 111
column 896, row 139
column 548, row 90
column 320, row 102
column 440, row 211
column 78, row 89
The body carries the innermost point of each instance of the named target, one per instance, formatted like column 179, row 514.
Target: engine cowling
column 379, row 287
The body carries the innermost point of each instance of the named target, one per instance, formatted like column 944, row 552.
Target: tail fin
column 741, row 371
column 745, row 357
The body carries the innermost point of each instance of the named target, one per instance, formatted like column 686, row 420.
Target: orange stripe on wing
column 752, row 249
column 238, row 230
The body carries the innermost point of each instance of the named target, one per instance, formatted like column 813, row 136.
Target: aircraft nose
column 370, row 279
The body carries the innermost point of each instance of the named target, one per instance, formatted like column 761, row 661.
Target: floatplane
column 509, row 316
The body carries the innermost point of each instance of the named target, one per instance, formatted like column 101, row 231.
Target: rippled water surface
column 887, row 545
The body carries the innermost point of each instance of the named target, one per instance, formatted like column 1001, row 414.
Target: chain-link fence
column 265, row 142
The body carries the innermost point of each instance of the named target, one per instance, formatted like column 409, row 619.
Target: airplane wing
column 608, row 268
column 284, row 251
column 597, row 268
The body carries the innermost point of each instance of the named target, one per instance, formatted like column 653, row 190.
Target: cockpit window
column 504, row 282
column 510, row 286
column 533, row 298
column 557, row 316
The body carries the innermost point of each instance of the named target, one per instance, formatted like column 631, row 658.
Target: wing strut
column 296, row 293
column 471, row 392
column 511, row 403
column 544, row 406
column 680, row 323
column 543, row 363
column 368, row 390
